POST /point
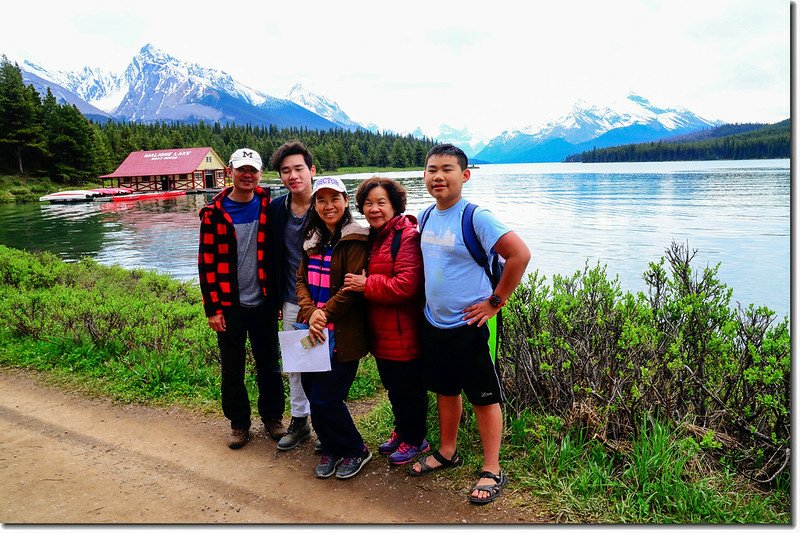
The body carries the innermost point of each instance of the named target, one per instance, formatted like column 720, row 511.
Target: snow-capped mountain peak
column 320, row 105
column 156, row 86
column 586, row 121
column 589, row 124
column 191, row 77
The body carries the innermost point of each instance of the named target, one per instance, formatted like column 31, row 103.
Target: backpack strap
column 471, row 239
column 398, row 234
column 423, row 218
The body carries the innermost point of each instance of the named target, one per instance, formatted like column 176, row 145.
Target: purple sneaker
column 406, row 453
column 388, row 447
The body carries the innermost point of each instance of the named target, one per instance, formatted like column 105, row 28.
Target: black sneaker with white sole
column 352, row 465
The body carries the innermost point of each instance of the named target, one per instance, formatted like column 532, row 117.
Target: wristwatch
column 495, row 301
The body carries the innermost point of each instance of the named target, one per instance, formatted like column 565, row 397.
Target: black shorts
column 458, row 359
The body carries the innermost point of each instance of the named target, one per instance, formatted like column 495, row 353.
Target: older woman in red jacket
column 392, row 287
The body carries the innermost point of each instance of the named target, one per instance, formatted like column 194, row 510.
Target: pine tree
column 21, row 133
column 397, row 155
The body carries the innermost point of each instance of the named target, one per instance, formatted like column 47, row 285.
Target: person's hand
column 316, row 323
column 355, row 282
column 480, row 313
column 217, row 322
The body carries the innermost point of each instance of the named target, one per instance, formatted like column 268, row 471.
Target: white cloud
column 484, row 66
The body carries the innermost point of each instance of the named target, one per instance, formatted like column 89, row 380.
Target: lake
column 623, row 215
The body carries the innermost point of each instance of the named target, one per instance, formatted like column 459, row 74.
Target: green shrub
column 594, row 424
column 146, row 330
column 601, row 359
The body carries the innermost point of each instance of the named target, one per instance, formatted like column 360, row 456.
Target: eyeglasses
column 246, row 170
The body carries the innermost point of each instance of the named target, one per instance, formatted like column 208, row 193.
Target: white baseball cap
column 245, row 157
column 329, row 182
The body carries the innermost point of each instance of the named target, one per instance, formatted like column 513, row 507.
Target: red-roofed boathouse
column 178, row 169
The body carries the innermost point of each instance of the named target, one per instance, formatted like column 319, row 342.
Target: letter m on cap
column 247, row 154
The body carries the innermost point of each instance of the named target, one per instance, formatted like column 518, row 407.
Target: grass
column 570, row 478
column 665, row 478
column 92, row 328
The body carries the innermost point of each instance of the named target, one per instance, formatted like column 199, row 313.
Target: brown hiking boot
column 238, row 438
column 275, row 428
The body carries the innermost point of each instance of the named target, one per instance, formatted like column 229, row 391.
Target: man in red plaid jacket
column 233, row 280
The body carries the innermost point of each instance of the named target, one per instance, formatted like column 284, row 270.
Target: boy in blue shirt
column 459, row 300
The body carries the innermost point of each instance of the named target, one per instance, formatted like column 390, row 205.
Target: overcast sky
column 486, row 66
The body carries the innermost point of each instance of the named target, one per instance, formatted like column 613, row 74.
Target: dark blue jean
column 327, row 392
column 260, row 324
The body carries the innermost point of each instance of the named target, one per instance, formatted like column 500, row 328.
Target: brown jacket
column 347, row 310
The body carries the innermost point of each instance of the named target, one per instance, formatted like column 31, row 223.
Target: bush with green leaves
column 581, row 361
column 144, row 333
column 600, row 358
column 145, row 329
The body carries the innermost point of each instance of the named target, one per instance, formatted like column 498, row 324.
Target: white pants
column 297, row 396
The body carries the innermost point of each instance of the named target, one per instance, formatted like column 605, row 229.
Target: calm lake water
column 735, row 213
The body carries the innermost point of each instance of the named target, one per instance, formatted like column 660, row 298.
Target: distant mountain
column 96, row 87
column 158, row 87
column 729, row 141
column 462, row 138
column 321, row 106
column 63, row 95
column 586, row 126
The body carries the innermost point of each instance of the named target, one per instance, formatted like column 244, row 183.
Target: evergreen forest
column 41, row 137
column 729, row 141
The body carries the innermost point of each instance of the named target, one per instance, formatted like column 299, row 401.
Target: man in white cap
column 233, row 280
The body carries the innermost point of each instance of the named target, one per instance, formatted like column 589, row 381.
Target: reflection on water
column 623, row 215
column 155, row 234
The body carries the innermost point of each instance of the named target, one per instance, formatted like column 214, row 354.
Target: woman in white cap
column 334, row 246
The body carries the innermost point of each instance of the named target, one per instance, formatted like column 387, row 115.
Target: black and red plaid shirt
column 217, row 258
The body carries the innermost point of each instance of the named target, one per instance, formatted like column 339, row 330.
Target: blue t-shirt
column 453, row 280
column 245, row 219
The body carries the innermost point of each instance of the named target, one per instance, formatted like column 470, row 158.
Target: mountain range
column 158, row 87
column 630, row 120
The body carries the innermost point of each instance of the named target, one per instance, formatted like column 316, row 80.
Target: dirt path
column 68, row 459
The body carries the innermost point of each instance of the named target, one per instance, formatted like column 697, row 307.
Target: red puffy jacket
column 394, row 291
